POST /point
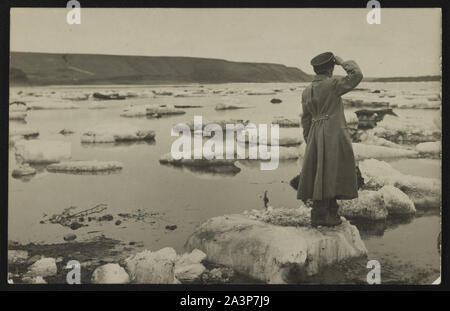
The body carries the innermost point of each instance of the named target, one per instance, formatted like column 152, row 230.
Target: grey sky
column 407, row 42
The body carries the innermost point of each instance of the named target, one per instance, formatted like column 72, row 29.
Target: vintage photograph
column 225, row 146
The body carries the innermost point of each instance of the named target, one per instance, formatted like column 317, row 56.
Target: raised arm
column 306, row 116
column 353, row 78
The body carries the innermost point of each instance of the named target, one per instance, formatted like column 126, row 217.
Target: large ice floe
column 424, row 192
column 42, row 151
column 351, row 117
column 432, row 147
column 377, row 205
column 404, row 130
column 75, row 97
column 23, row 170
column 16, row 134
column 24, row 132
column 109, row 133
column 85, row 166
column 368, row 138
column 109, row 96
column 164, row 111
column 150, row 110
column 52, row 105
column 275, row 246
column 135, row 111
column 18, row 110
column 382, row 98
column 229, row 104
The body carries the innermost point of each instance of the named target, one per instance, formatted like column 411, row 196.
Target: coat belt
column 319, row 118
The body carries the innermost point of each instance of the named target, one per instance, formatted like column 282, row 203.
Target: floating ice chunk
column 424, row 192
column 23, row 170
column 18, row 106
column 404, row 130
column 52, row 105
column 17, row 115
column 107, row 133
column 228, row 107
column 75, row 97
column 164, row 111
column 351, row 117
column 369, row 138
column 23, row 132
column 135, row 111
column 111, row 96
column 229, row 104
column 85, row 166
column 396, row 201
column 429, row 147
column 369, row 205
column 17, row 110
column 42, row 151
column 377, row 205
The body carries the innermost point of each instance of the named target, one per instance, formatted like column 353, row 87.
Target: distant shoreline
column 404, row 79
column 180, row 85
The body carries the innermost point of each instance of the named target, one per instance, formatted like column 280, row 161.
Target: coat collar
column 320, row 77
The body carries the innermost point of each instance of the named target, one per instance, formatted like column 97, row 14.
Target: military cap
column 322, row 59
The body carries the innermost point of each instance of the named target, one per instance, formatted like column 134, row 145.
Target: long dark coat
column 329, row 164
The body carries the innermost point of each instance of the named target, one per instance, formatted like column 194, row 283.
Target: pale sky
column 406, row 43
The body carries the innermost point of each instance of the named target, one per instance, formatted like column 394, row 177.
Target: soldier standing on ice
column 328, row 172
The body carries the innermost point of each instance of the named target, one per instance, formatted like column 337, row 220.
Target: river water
column 182, row 197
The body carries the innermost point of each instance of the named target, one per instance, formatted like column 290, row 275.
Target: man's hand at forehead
column 338, row 60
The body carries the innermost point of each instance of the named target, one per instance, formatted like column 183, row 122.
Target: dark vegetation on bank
column 64, row 69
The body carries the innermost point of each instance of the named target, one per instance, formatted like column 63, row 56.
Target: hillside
column 62, row 69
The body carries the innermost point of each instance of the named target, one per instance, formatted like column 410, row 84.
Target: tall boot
column 318, row 213
column 332, row 217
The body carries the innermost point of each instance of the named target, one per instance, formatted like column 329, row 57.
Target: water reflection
column 109, row 172
column 368, row 228
column 256, row 163
column 25, row 178
column 207, row 171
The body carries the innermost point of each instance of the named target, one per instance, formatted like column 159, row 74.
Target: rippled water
column 181, row 196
